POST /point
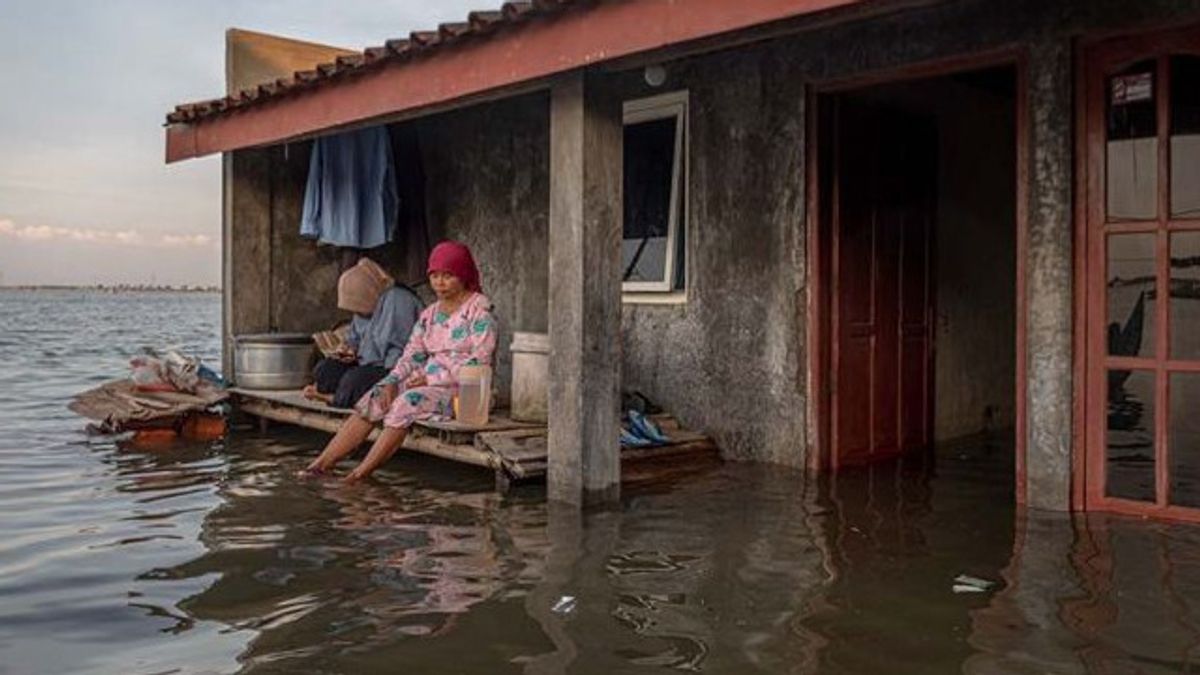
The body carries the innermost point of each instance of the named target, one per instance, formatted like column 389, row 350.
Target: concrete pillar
column 585, row 292
column 245, row 246
column 1049, row 278
column 227, row 264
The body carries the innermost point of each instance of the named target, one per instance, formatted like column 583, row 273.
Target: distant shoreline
column 118, row 288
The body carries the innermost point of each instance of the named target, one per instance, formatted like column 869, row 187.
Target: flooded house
column 824, row 232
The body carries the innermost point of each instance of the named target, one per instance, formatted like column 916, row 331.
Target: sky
column 85, row 196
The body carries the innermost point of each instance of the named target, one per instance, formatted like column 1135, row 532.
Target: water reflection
column 1094, row 594
column 748, row 569
column 743, row 569
column 211, row 558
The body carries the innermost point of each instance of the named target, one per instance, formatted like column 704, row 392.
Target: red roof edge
column 490, row 51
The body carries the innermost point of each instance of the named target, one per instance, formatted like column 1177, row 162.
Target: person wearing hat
column 384, row 316
column 456, row 331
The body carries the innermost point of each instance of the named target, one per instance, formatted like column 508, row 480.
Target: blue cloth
column 380, row 339
column 351, row 199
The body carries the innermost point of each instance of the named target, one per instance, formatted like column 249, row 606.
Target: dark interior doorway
column 918, row 186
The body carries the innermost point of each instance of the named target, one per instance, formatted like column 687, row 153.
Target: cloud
column 197, row 240
column 86, row 235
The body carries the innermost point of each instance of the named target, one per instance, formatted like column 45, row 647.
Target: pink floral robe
column 439, row 346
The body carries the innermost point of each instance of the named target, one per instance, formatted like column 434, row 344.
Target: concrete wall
column 254, row 58
column 730, row 360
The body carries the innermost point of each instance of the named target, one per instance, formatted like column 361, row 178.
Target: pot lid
column 275, row 338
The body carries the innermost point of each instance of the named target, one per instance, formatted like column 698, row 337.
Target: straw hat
column 360, row 286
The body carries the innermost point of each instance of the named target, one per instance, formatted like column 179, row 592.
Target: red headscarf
column 454, row 257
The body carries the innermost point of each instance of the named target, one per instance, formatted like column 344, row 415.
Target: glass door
column 1142, row 126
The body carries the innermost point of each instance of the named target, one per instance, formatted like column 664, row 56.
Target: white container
column 474, row 395
column 530, row 376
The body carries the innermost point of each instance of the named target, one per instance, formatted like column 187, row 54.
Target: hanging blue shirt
column 351, row 198
column 380, row 339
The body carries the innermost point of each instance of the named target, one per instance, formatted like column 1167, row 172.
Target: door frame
column 819, row 282
column 1087, row 480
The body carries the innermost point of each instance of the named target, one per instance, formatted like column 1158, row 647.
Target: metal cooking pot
column 272, row 360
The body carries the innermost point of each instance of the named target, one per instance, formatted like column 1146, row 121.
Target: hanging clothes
column 351, row 198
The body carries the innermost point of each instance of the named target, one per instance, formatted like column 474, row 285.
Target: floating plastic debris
column 565, row 605
column 965, row 583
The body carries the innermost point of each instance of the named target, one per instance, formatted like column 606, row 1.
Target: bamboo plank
column 466, row 454
column 515, row 450
column 428, row 445
column 699, row 447
column 515, row 446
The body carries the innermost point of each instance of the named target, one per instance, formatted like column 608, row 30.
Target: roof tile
column 478, row 22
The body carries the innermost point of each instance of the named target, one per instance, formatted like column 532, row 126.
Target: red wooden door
column 885, row 169
column 1142, row 173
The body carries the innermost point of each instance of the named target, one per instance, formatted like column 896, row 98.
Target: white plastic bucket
column 530, row 376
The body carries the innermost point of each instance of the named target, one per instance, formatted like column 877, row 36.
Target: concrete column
column 227, row 264
column 246, row 246
column 585, row 292
column 1049, row 278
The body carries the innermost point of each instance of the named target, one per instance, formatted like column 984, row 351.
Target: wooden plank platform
column 515, row 451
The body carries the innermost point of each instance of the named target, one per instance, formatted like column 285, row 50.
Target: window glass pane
column 1185, row 295
column 649, row 168
column 1131, row 277
column 1129, row 458
column 1132, row 147
column 1184, row 450
column 1185, row 136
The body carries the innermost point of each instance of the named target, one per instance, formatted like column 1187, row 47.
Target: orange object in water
column 204, row 427
column 153, row 437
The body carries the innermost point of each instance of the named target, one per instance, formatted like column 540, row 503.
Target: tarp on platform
column 119, row 405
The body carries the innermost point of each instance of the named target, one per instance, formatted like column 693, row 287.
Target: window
column 1133, row 144
column 655, row 172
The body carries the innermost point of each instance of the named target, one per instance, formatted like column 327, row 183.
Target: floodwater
column 212, row 558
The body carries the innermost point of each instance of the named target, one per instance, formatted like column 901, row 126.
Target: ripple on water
column 212, row 557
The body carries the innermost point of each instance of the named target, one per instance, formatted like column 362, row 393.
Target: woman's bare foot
column 310, row 392
column 315, row 469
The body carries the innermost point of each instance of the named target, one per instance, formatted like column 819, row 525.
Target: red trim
column 1097, row 59
column 1092, row 165
column 1079, row 427
column 1022, row 250
column 834, row 333
column 535, row 50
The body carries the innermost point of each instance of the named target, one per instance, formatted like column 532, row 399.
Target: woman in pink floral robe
column 440, row 345
column 455, row 331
